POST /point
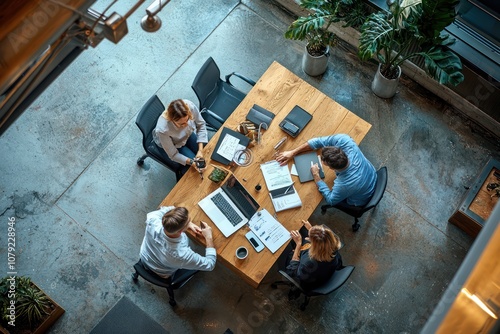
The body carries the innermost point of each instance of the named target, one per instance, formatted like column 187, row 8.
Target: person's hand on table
column 296, row 237
column 306, row 224
column 194, row 228
column 283, row 157
column 206, row 230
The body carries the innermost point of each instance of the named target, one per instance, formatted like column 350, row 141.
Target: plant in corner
column 411, row 29
column 314, row 29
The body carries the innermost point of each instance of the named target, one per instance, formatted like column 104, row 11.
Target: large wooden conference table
column 278, row 90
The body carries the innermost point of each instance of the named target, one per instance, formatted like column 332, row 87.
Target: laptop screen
column 240, row 196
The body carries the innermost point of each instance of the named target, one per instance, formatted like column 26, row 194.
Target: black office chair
column 146, row 121
column 181, row 277
column 358, row 211
column 218, row 99
column 336, row 281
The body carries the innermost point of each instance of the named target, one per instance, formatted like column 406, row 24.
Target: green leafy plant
column 314, row 27
column 410, row 29
column 32, row 305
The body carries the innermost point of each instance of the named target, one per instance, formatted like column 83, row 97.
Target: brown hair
column 175, row 219
column 324, row 243
column 176, row 110
column 334, row 157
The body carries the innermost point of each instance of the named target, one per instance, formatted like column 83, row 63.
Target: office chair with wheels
column 336, row 281
column 146, row 121
column 358, row 211
column 218, row 98
column 181, row 277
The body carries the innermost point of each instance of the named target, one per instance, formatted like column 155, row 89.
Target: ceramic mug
column 241, row 253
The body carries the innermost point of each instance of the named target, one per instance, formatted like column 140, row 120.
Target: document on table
column 276, row 176
column 285, row 198
column 229, row 146
column 270, row 231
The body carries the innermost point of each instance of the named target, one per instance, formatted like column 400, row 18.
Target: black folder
column 295, row 121
column 258, row 115
column 244, row 140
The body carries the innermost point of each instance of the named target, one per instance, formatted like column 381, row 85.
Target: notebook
column 230, row 206
column 303, row 166
column 229, row 142
column 258, row 115
column 295, row 121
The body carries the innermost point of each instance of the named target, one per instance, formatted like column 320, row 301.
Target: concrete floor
column 70, row 178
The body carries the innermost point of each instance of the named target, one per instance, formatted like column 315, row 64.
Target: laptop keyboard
column 226, row 209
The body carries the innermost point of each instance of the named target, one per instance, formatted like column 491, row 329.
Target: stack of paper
column 270, row 231
column 280, row 185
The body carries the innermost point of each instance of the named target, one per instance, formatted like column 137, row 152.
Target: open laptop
column 230, row 206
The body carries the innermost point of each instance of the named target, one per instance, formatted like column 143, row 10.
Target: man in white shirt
column 165, row 247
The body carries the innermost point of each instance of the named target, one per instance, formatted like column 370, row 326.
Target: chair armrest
column 289, row 278
column 247, row 80
column 213, row 115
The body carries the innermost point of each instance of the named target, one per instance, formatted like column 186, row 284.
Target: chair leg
column 304, row 304
column 324, row 208
column 135, row 277
column 140, row 161
column 355, row 226
column 171, row 300
column 274, row 285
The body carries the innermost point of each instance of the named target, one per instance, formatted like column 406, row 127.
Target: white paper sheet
column 270, row 231
column 228, row 147
column 276, row 176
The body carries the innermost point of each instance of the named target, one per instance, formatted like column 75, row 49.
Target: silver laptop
column 230, row 206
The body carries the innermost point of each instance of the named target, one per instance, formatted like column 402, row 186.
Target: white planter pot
column 314, row 66
column 383, row 87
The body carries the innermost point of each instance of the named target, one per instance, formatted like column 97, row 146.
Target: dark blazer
column 312, row 273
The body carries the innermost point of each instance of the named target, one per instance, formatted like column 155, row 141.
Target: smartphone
column 254, row 241
column 291, row 128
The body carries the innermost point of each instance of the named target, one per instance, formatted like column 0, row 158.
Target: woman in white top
column 181, row 131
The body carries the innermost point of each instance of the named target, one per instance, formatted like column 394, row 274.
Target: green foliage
column 412, row 25
column 32, row 305
column 314, row 27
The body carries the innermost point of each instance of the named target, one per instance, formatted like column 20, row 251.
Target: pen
column 286, row 191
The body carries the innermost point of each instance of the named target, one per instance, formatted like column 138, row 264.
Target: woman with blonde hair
column 181, row 131
column 314, row 258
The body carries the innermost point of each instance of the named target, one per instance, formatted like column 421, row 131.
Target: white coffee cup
column 241, row 253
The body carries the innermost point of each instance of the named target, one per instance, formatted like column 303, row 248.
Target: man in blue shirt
column 356, row 176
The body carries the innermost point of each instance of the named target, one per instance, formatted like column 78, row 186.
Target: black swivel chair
column 358, row 211
column 219, row 98
column 336, row 281
column 146, row 121
column 181, row 277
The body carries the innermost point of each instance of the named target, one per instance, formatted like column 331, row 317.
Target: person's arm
column 285, row 156
column 168, row 146
column 201, row 125
column 297, row 238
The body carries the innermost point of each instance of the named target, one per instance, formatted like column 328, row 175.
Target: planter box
column 477, row 204
column 56, row 313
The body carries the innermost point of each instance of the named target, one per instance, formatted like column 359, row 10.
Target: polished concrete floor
column 70, row 179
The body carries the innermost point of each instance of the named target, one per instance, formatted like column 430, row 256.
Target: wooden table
column 278, row 90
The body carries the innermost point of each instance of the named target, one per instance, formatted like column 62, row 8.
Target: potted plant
column 410, row 29
column 25, row 307
column 314, row 29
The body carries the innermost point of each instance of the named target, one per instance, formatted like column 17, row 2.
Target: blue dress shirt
column 356, row 183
